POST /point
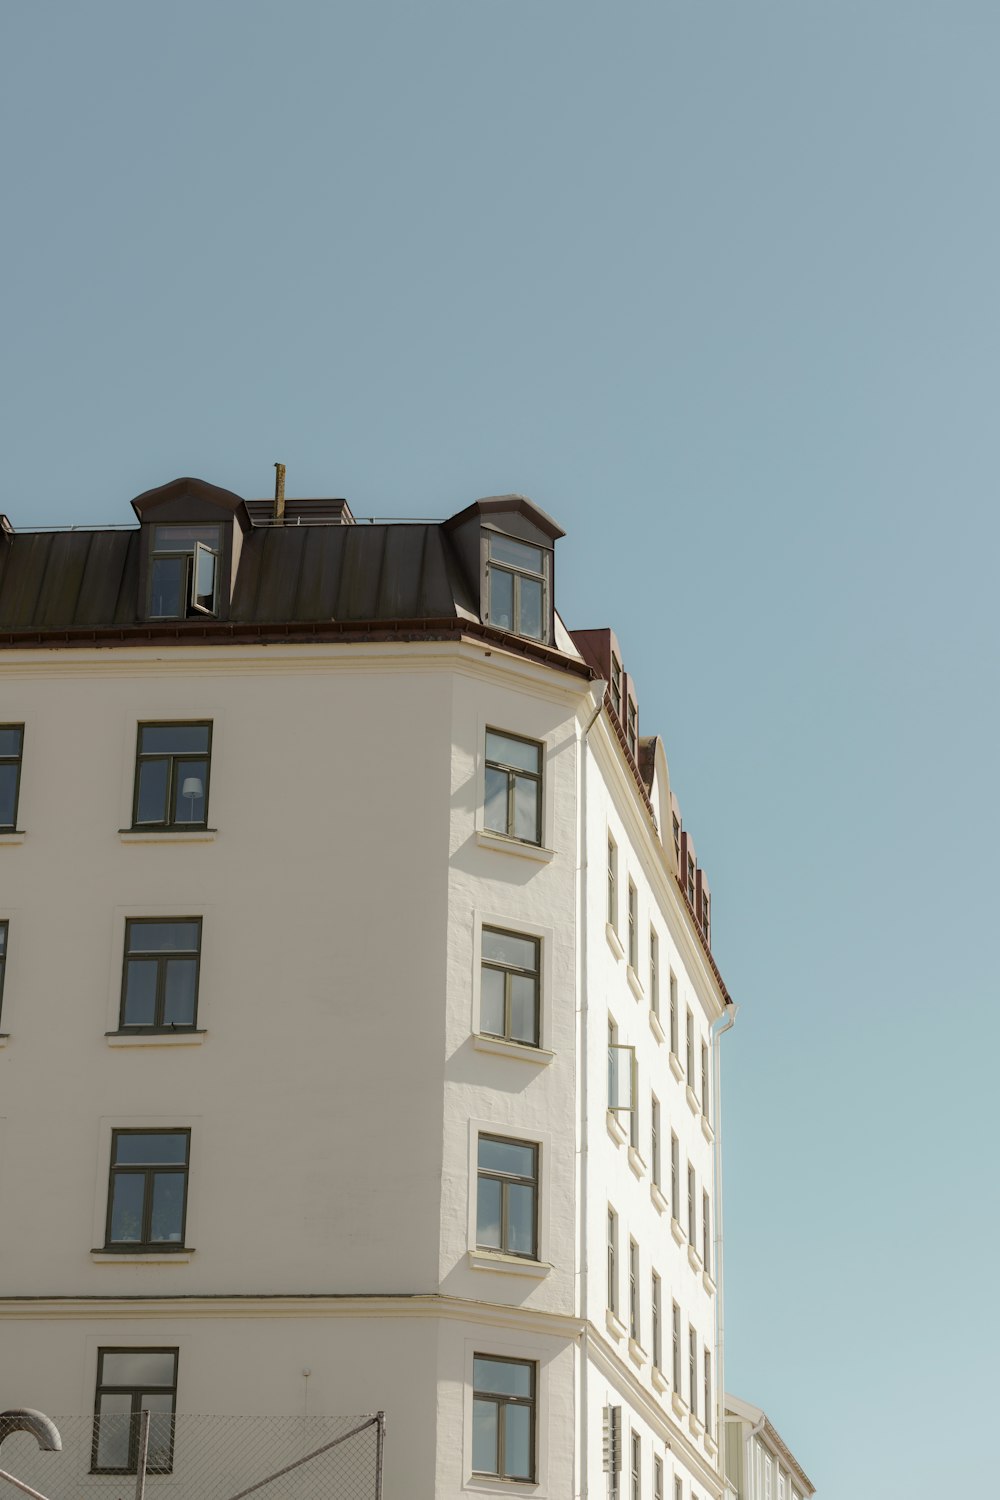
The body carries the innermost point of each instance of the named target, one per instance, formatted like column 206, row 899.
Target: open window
column 184, row 572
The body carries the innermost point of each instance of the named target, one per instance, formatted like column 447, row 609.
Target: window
column 507, row 1197
column 612, row 1260
column 503, row 1417
column 160, row 976
column 704, row 1080
column 673, row 1013
column 657, row 1477
column 689, row 1040
column 654, row 973
column 675, row 1177
column 678, row 1489
column 3, row 960
column 677, row 841
column 654, row 1139
column 706, row 1233
column 612, row 883
column 707, row 1394
column 657, row 1329
column 690, row 881
column 147, row 1194
column 518, row 585
column 513, row 787
column 633, row 1290
column 184, row 572
column 705, row 916
column 616, row 686
column 636, row 1473
column 633, row 1122
column 677, row 1348
column 130, row 1381
column 509, row 992
column 693, row 1369
column 621, row 1073
column 633, row 927
column 632, row 728
column 11, row 745
column 692, row 1207
column 171, row 776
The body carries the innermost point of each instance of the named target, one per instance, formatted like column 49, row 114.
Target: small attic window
column 518, row 579
column 184, row 571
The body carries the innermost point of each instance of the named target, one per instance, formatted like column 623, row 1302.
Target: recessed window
column 171, row 776
column 706, row 1233
column 676, row 1353
column 160, row 977
column 518, row 586
column 503, row 1417
column 654, row 972
column 706, row 915
column 129, row 1382
column 11, row 745
column 657, row 1322
column 675, row 1177
column 693, row 1370
column 654, row 1139
column 707, row 1394
column 621, row 1073
column 636, row 1474
column 673, row 1012
column 147, row 1194
column 633, row 1290
column 692, row 1207
column 657, row 1477
column 704, row 1080
column 3, row 962
column 612, row 884
column 612, row 1260
column 507, row 1197
column 184, row 572
column 690, row 881
column 514, row 787
column 689, row 1057
column 632, row 728
column 510, row 984
column 633, row 927
column 677, row 840
column 616, row 686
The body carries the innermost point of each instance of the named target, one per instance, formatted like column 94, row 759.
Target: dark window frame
column 162, row 957
column 517, row 574
column 223, row 554
column 676, row 1353
column 4, row 949
column 501, row 1402
column 136, row 1392
column 513, row 774
column 172, row 757
column 633, row 927
column 145, row 1245
column 17, row 761
column 510, row 972
column 634, row 1301
column 612, row 1261
column 656, row 1306
column 506, row 1179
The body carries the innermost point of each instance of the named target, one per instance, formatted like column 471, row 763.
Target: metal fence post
column 140, row 1468
column 379, row 1446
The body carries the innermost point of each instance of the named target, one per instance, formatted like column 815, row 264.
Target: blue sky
column 716, row 285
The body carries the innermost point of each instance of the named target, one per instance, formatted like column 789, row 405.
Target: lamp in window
column 193, row 789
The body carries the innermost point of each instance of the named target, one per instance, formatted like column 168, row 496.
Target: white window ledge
column 505, row 845
column 637, row 1353
column 707, row 1130
column 167, row 835
column 676, row 1066
column 141, row 1257
column 677, row 1230
column 614, row 942
column 636, row 1162
column 692, row 1100
column 615, row 1326
column 500, row 1047
column 678, row 1403
column 659, row 1202
column 616, row 1130
column 711, row 1446
column 634, row 983
column 660, row 1381
column 154, row 1038
column 696, row 1428
column 695, row 1260
column 482, row 1484
column 508, row 1265
column 13, row 836
column 656, row 1028
column 708, row 1283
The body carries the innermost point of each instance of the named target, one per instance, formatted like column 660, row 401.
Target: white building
column 759, row 1464
column 359, row 1015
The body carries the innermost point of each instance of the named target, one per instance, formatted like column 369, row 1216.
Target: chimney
column 279, row 494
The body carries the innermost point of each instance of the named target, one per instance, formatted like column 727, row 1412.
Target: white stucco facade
column 340, row 1078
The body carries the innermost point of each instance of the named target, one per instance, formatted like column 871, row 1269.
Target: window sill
column 711, row 1446
column 12, row 836
column 159, row 1256
column 656, row 1028
column 678, row 1403
column 484, row 1484
column 615, row 1130
column 660, row 1381
column 615, row 1326
column 637, row 1353
column 500, row 1047
column 636, row 1162
column 707, row 1130
column 695, row 1260
column 695, row 1426
column 634, row 983
column 677, row 1231
column 676, row 1066
column 708, row 1283
column 692, row 1100
column 659, row 1202
column 614, row 942
column 506, row 845
column 510, row 1265
column 154, row 1038
column 167, row 835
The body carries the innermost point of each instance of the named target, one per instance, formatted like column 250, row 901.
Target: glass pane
column 491, row 1018
column 113, row 1425
column 151, row 1148
column 520, row 1219
column 151, row 803
column 496, row 800
column 173, row 739
column 484, row 1437
column 522, row 754
column 519, row 554
column 179, row 991
column 160, row 1405
column 183, row 538
column 8, row 793
column 529, row 621
column 163, row 937
column 506, row 1156
column 501, row 599
column 138, row 1367
column 10, row 740
column 204, row 579
column 526, row 809
column 126, row 1208
column 523, row 1009
column 517, row 1442
column 167, row 1221
column 166, row 591
column 189, row 791
column 488, row 1214
column 507, row 948
column 140, row 992
column 3, row 938
column 502, row 1377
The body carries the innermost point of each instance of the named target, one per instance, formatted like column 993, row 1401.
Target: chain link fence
column 200, row 1458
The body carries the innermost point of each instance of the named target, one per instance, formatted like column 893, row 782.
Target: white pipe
column 718, row 1028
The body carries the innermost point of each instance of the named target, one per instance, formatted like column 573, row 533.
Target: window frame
column 654, row 971
column 172, row 757
column 510, row 971
column 136, row 1392
column 4, row 950
column 707, row 1391
column 516, row 574
column 706, row 1232
column 634, row 1300
column 674, row 1004
column 17, row 761
column 162, row 957
column 692, row 1207
column 145, row 1245
column 676, row 1353
column 655, row 1143
column 693, row 1369
column 190, row 558
column 633, row 926
column 656, row 1305
column 506, row 1179
column 689, row 1049
column 675, row 1176
column 612, row 1287
column 512, row 773
column 705, row 1074
column 612, row 915
column 635, row 1459
column 501, row 1402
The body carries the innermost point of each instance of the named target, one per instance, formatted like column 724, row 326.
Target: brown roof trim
column 188, row 488
column 503, row 505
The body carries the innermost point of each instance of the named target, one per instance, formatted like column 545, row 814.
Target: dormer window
column 632, row 730
column 184, row 572
column 518, row 578
column 616, row 686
